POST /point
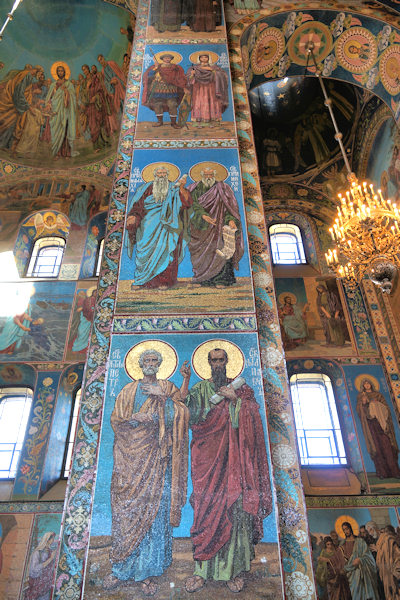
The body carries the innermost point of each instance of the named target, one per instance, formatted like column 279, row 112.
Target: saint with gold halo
column 231, row 492
column 377, row 426
column 216, row 241
column 209, row 88
column 148, row 485
column 61, row 103
column 157, row 227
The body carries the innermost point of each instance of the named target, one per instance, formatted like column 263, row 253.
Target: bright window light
column 317, row 423
column 46, row 257
column 72, row 432
column 286, row 244
column 15, row 406
column 99, row 257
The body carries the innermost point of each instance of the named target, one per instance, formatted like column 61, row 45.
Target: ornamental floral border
column 31, row 507
column 351, row 501
column 174, row 324
column 295, row 547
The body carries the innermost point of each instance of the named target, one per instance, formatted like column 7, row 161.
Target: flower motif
column 271, row 357
column 254, row 217
column 285, row 418
column 299, row 586
column 289, row 516
column 117, row 215
column 77, row 520
column 113, row 245
column 92, row 402
column 70, row 591
column 98, row 355
column 104, row 314
column 262, row 279
column 25, row 469
column 47, row 381
column 301, row 536
column 109, row 278
column 85, row 456
column 283, row 456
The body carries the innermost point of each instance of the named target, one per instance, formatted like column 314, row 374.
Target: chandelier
column 10, row 17
column 366, row 229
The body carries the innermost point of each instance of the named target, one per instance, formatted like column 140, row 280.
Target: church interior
column 199, row 365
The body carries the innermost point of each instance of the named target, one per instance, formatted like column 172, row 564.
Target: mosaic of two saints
column 143, row 486
column 182, row 236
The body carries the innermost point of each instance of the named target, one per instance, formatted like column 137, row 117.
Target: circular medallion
column 168, row 364
column 221, row 172
column 311, row 31
column 148, row 172
column 356, row 50
column 346, row 519
column 389, row 69
column 234, row 366
column 359, row 380
column 268, row 50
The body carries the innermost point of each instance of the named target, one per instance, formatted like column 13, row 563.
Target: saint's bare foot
column 194, row 583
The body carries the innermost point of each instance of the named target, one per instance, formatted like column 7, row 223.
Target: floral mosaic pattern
column 132, row 324
column 27, row 481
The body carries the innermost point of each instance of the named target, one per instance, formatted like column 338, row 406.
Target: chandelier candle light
column 366, row 229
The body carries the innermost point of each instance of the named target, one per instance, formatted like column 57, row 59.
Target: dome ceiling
column 41, row 125
column 292, row 127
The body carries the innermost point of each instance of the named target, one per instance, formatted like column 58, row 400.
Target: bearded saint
column 61, row 102
column 157, row 224
column 148, row 485
column 215, row 218
column 231, row 491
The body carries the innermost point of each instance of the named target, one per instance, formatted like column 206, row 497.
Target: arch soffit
column 377, row 15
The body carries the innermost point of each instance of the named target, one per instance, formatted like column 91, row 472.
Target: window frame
column 298, row 236
column 68, row 442
column 40, row 245
column 343, row 461
column 10, row 395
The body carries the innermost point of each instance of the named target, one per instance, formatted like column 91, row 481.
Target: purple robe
column 218, row 202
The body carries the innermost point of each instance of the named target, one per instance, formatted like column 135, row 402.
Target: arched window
column 71, row 434
column 319, row 436
column 286, row 244
column 15, row 406
column 99, row 257
column 46, row 257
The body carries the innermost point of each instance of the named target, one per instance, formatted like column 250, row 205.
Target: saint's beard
column 160, row 188
column 219, row 378
column 208, row 181
column 150, row 370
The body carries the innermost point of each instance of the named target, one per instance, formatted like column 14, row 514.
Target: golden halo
column 167, row 367
column 195, row 57
column 351, row 42
column 235, row 363
column 342, row 519
column 282, row 296
column 72, row 378
column 371, row 378
column 91, row 290
column 53, row 216
column 60, row 63
column 221, row 171
column 176, row 56
column 148, row 172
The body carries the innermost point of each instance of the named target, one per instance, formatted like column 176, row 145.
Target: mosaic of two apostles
column 143, row 480
column 181, row 236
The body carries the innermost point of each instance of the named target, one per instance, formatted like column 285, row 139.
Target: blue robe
column 158, row 234
column 13, row 333
column 362, row 578
column 79, row 208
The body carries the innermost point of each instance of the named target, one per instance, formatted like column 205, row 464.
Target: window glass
column 71, row 436
column 286, row 244
column 99, row 257
column 46, row 257
column 317, row 423
column 15, row 406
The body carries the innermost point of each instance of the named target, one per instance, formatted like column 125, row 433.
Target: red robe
column 227, row 463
